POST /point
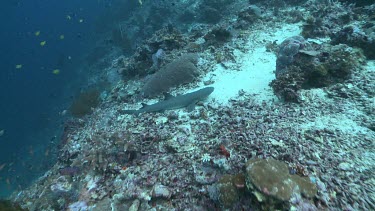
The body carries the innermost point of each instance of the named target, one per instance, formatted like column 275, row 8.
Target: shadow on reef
column 6, row 205
column 84, row 102
column 358, row 2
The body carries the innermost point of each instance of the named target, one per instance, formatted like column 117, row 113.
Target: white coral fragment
column 205, row 158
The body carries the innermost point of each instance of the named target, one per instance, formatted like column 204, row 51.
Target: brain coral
column 269, row 177
column 180, row 71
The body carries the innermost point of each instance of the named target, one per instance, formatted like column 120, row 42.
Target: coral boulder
column 180, row 71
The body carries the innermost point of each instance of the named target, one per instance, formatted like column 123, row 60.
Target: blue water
column 33, row 97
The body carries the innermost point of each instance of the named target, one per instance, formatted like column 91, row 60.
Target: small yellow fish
column 56, row 71
column 2, row 166
column 18, row 66
column 68, row 17
column 37, row 33
column 81, row 20
column 43, row 43
column 46, row 153
column 31, row 151
column 61, row 37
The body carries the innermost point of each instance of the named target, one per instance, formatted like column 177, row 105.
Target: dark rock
column 356, row 37
column 358, row 2
column 288, row 49
column 250, row 14
column 218, row 36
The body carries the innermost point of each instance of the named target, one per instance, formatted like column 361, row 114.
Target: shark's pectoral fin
column 167, row 96
column 127, row 111
column 190, row 107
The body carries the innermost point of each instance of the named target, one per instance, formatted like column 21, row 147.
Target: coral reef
column 125, row 159
column 141, row 62
column 300, row 67
column 244, row 154
column 326, row 19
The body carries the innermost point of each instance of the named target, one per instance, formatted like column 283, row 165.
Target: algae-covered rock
column 269, row 180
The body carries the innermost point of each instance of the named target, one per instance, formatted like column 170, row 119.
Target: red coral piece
column 224, row 151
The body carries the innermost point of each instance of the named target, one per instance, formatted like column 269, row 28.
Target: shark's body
column 187, row 100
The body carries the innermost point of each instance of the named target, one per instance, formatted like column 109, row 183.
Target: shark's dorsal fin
column 144, row 105
column 167, row 96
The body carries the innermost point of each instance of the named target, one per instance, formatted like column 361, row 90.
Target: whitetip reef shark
column 170, row 102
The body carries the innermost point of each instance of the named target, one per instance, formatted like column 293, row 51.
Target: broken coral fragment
column 161, row 191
